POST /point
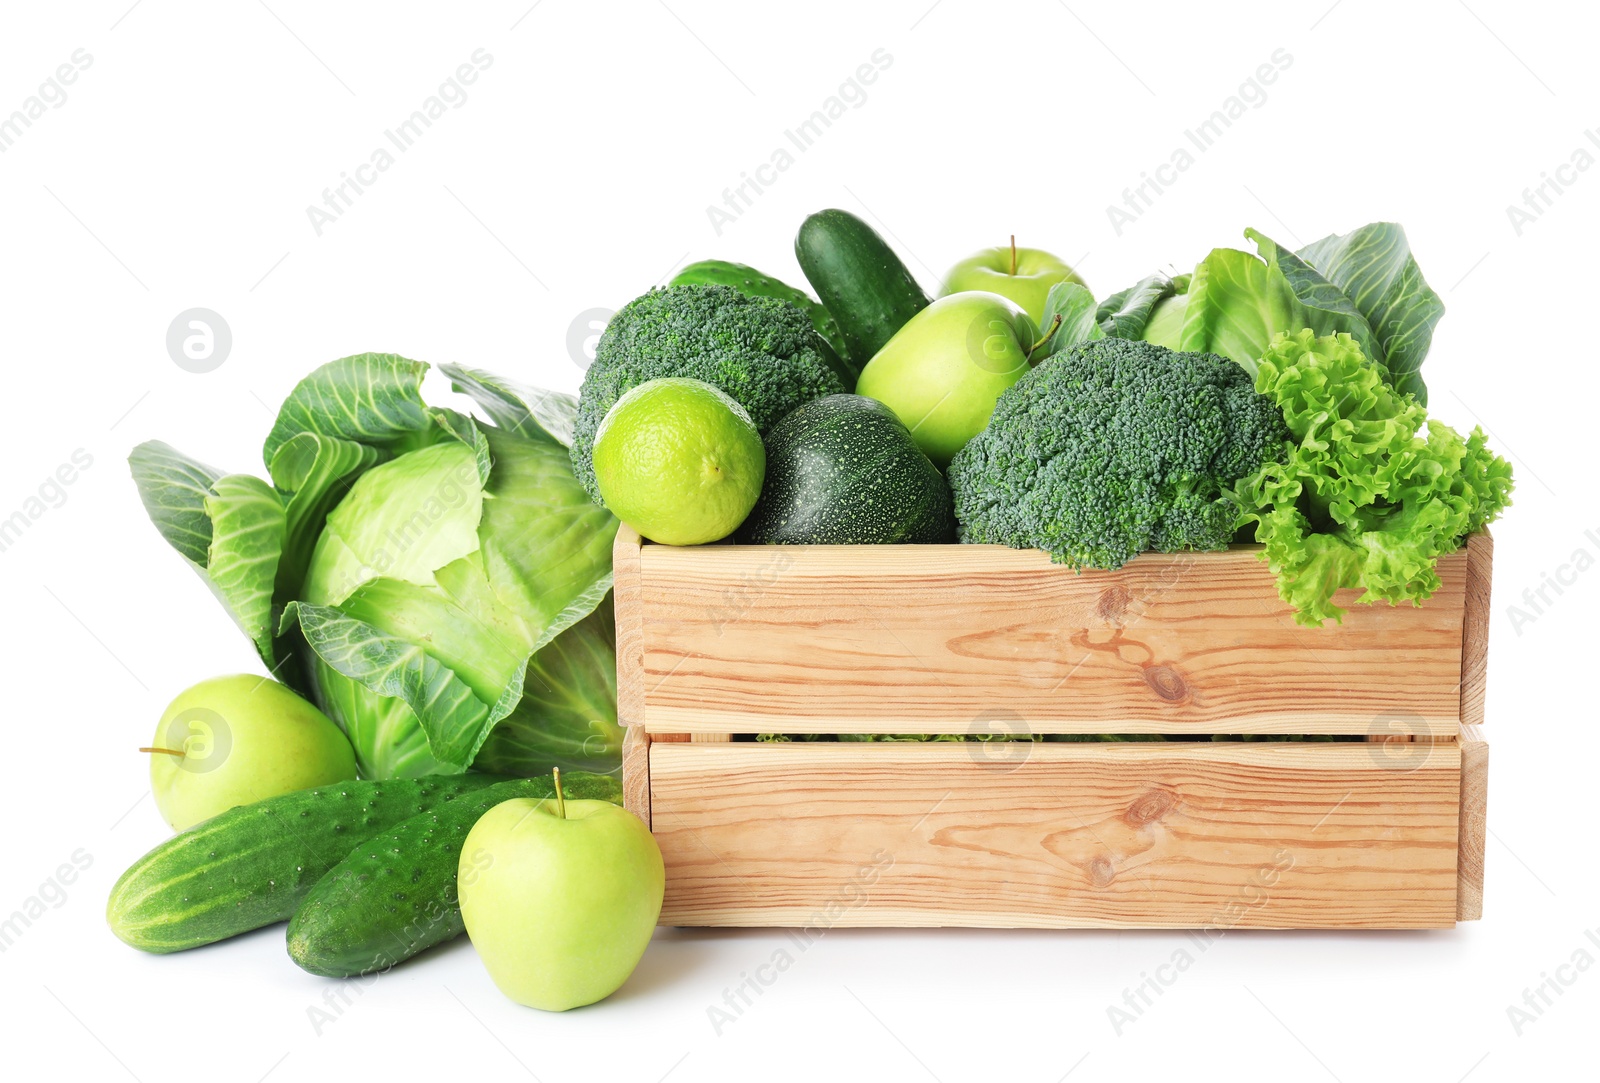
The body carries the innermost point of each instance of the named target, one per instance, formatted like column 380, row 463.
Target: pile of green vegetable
column 433, row 582
column 364, row 872
column 437, row 584
column 1271, row 396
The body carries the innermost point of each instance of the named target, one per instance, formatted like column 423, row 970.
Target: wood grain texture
column 973, row 638
column 636, row 772
column 1475, row 628
column 1474, row 824
column 1207, row 835
column 627, row 585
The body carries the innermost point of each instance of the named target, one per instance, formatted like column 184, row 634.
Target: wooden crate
column 718, row 641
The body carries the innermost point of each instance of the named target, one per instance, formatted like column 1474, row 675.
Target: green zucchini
column 859, row 279
column 251, row 866
column 844, row 470
column 751, row 282
column 395, row 894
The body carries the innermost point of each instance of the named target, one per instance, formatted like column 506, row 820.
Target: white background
column 177, row 174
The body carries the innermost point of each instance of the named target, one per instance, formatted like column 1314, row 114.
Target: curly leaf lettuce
column 1368, row 492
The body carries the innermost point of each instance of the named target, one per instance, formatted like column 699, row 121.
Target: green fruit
column 859, row 279
column 1023, row 275
column 943, row 371
column 395, row 894
column 560, row 901
column 252, row 865
column 236, row 740
column 751, row 282
column 679, row 461
column 843, row 470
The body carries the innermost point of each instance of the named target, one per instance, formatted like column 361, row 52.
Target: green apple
column 560, row 898
column 237, row 740
column 942, row 372
column 1024, row 275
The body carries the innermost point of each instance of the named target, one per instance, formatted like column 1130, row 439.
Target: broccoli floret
column 1111, row 448
column 760, row 350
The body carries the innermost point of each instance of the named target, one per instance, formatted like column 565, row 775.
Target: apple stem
column 561, row 802
column 164, row 751
column 1013, row 254
column 1055, row 323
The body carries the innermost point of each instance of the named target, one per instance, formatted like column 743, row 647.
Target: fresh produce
column 252, row 865
column 409, row 567
column 1365, row 283
column 1111, row 448
column 943, row 371
column 560, row 898
column 1022, row 275
column 843, row 470
column 240, row 739
column 395, row 894
column 1360, row 495
column 679, row 461
column 859, row 279
column 759, row 350
column 748, row 280
column 1151, row 309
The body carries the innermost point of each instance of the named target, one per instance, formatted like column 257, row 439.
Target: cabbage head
column 437, row 584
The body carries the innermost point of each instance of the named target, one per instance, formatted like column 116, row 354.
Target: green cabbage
column 438, row 585
column 1369, row 491
column 1364, row 283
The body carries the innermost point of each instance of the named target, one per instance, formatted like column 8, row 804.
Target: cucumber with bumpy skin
column 252, row 865
column 395, row 894
column 751, row 282
column 859, row 279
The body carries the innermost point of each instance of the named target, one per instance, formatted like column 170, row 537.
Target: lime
column 679, row 461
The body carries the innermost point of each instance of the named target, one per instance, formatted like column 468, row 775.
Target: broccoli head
column 760, row 350
column 1111, row 448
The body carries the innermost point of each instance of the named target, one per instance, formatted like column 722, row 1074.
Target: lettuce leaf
column 1369, row 492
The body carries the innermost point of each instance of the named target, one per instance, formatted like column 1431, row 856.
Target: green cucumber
column 859, row 279
column 251, row 866
column 395, row 894
column 752, row 283
column 844, row 470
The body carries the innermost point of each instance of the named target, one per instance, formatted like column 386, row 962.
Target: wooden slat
column 1474, row 824
column 627, row 585
column 1475, row 628
column 1208, row 835
column 971, row 638
column 636, row 772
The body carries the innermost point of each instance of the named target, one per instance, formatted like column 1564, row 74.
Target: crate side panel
column 972, row 638
column 1474, row 823
column 1214, row 836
